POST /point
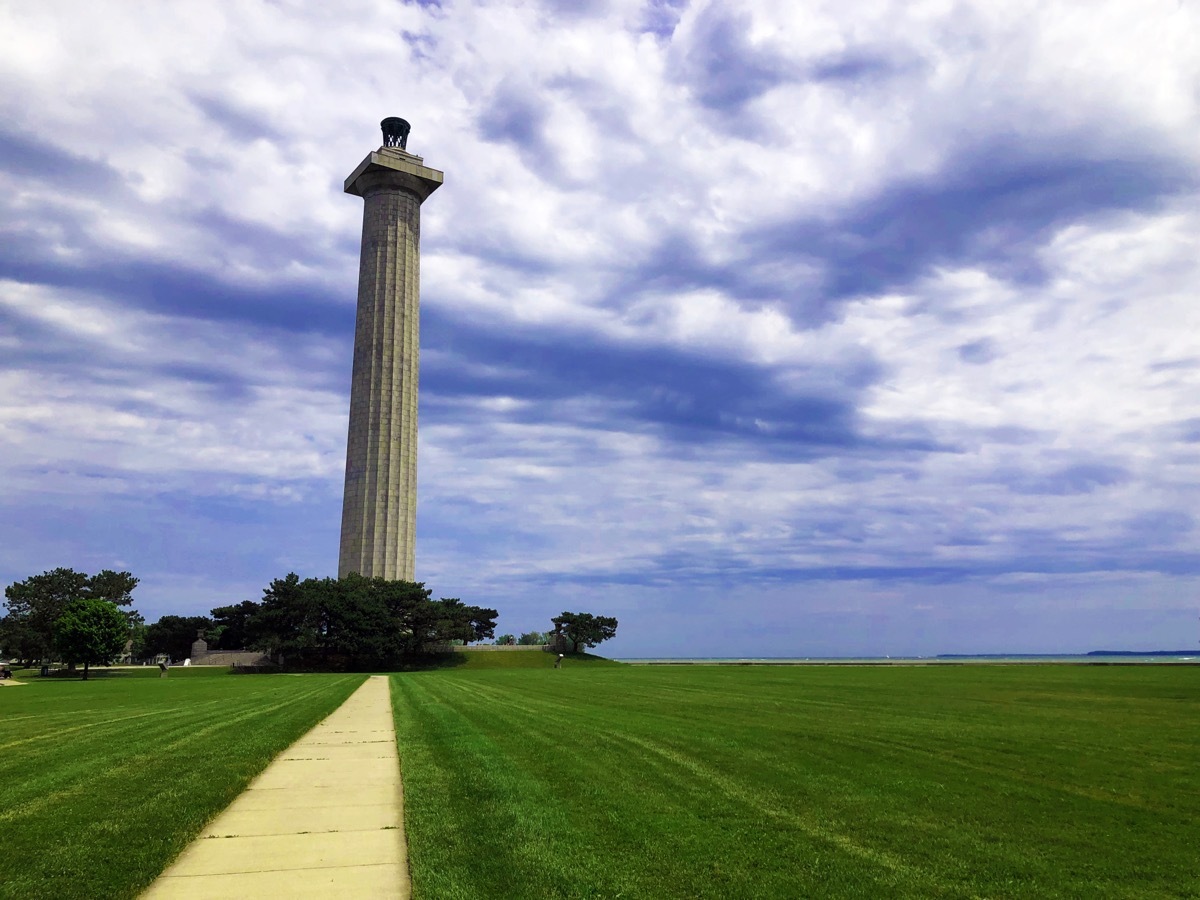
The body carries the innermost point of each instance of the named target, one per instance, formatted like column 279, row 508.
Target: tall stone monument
column 379, row 508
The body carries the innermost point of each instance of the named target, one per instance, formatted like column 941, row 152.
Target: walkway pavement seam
column 324, row 817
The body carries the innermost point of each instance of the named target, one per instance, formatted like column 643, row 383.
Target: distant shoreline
column 1060, row 655
column 1094, row 658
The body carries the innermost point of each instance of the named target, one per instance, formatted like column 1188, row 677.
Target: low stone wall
column 460, row 648
column 233, row 658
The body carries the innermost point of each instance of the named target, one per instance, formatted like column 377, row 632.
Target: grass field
column 615, row 781
column 103, row 782
column 603, row 780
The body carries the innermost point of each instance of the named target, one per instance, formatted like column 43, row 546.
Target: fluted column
column 379, row 507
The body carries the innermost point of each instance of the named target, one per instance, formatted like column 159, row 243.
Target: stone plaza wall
column 233, row 658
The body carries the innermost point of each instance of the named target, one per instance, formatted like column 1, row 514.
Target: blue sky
column 768, row 328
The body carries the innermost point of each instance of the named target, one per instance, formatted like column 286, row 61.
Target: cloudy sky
column 771, row 328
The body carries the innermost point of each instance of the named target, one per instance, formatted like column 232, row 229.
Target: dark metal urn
column 395, row 132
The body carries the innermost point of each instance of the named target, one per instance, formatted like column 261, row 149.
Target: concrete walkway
column 325, row 819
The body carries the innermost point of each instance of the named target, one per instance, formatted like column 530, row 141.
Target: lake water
column 948, row 660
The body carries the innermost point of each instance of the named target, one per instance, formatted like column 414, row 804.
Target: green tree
column 584, row 629
column 92, row 632
column 531, row 639
column 36, row 603
column 235, row 624
column 19, row 640
column 459, row 621
column 115, row 587
column 358, row 622
column 505, row 640
column 326, row 622
column 173, row 635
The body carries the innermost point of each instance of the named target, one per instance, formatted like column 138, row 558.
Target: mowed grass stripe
column 608, row 774
column 673, row 770
column 138, row 772
column 690, row 770
column 479, row 822
column 167, row 732
column 657, row 782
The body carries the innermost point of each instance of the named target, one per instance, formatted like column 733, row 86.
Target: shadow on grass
column 60, row 676
column 432, row 661
column 424, row 663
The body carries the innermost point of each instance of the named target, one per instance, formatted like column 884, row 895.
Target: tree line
column 326, row 623
column 351, row 622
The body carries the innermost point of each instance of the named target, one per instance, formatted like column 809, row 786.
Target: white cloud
column 125, row 395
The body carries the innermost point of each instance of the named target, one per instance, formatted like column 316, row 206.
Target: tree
column 459, row 621
column 358, row 622
column 36, row 603
column 531, row 639
column 326, row 622
column 585, row 629
column 233, row 625
column 505, row 640
column 115, row 587
column 19, row 640
column 92, row 632
column 173, row 635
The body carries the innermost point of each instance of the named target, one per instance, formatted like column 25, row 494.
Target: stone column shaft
column 379, row 508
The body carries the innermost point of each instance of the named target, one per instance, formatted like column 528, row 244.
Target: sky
column 771, row 329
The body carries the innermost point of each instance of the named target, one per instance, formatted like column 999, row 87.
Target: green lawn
column 603, row 780
column 621, row 781
column 103, row 782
